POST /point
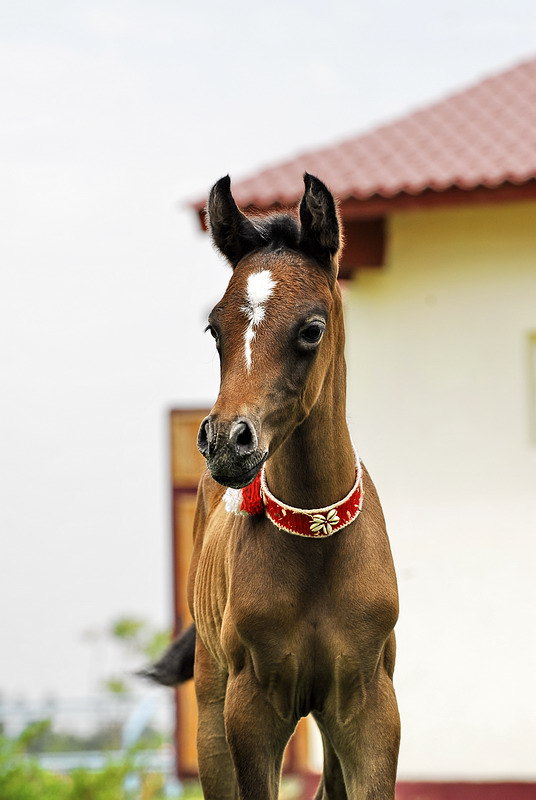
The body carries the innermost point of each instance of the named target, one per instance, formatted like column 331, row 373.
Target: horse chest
column 286, row 617
column 300, row 655
column 299, row 589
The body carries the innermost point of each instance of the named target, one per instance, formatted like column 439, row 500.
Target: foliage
column 40, row 737
column 139, row 641
column 105, row 784
column 116, row 685
column 127, row 629
column 192, row 791
column 34, row 736
column 21, row 777
column 138, row 636
column 156, row 643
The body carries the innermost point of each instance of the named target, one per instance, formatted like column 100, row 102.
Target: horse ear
column 232, row 232
column 320, row 229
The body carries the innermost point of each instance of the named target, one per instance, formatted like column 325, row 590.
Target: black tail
column 177, row 663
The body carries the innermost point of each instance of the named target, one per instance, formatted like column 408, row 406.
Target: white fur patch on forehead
column 259, row 288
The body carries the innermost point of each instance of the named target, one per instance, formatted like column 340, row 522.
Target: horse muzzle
column 231, row 449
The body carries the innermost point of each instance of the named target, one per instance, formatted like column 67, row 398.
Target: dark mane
column 278, row 231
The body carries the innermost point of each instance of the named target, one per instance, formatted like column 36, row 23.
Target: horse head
column 278, row 328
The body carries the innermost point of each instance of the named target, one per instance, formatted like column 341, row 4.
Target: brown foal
column 288, row 625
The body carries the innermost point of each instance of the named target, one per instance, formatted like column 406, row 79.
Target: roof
column 482, row 137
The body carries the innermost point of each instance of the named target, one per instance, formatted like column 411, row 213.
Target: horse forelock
column 278, row 231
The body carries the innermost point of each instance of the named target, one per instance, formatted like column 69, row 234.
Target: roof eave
column 378, row 205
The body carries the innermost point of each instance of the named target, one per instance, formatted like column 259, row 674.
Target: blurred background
column 116, row 119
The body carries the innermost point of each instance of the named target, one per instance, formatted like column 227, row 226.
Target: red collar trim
column 315, row 523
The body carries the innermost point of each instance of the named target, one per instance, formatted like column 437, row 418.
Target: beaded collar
column 315, row 523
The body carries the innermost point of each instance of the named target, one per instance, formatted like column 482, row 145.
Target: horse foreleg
column 216, row 770
column 365, row 734
column 257, row 736
column 331, row 786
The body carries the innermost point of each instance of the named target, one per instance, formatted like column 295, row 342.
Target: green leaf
column 127, row 629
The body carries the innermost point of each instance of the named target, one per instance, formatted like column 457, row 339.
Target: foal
column 294, row 602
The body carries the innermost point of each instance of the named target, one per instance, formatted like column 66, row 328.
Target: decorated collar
column 316, row 523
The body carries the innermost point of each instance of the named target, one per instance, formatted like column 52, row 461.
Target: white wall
column 439, row 408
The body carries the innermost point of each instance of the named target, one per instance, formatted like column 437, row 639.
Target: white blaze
column 260, row 287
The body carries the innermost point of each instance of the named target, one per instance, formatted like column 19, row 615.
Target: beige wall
column 438, row 357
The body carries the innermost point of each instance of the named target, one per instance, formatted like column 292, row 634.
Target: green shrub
column 106, row 784
column 22, row 778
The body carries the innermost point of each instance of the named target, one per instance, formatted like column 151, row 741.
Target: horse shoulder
column 208, row 578
column 375, row 540
column 361, row 580
column 209, row 494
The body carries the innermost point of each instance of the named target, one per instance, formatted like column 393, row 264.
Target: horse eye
column 312, row 333
column 213, row 332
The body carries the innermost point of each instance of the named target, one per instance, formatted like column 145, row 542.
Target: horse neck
column 315, row 465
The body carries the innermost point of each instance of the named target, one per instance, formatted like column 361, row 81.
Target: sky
column 114, row 115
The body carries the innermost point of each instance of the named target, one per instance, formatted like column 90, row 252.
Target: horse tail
column 177, row 663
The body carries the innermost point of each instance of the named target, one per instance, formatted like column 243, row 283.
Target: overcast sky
column 113, row 115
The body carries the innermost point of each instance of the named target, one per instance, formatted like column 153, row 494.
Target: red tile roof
column 484, row 136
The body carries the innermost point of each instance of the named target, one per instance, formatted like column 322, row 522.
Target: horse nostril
column 203, row 437
column 242, row 435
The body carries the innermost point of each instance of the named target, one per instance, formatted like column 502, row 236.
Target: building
column 439, row 209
